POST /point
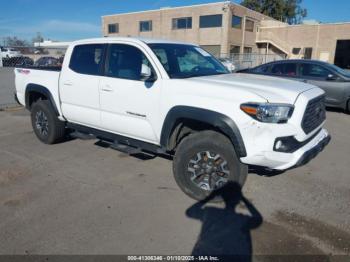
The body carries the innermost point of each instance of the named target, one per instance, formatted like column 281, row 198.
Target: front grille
column 315, row 114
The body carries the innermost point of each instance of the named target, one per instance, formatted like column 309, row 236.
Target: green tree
column 289, row 11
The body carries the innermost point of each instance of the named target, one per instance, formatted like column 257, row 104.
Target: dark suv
column 332, row 79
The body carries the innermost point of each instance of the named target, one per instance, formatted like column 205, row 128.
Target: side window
column 310, row 70
column 86, row 59
column 262, row 69
column 277, row 69
column 287, row 69
column 290, row 69
column 126, row 62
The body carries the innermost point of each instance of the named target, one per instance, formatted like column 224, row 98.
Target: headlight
column 268, row 113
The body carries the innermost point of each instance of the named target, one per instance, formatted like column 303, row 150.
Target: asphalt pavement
column 7, row 87
column 80, row 198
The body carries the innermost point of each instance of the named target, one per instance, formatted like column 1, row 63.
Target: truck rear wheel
column 46, row 125
column 206, row 161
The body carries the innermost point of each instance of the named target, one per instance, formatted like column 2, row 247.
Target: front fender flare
column 222, row 122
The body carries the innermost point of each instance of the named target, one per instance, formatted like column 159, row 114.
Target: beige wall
column 322, row 38
column 281, row 37
column 224, row 36
column 162, row 24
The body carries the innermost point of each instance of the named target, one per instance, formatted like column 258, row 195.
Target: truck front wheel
column 46, row 125
column 206, row 161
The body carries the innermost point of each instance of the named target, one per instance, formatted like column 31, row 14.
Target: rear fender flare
column 42, row 90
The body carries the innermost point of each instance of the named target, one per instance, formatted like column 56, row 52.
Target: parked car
column 47, row 61
column 7, row 52
column 332, row 79
column 24, row 61
column 17, row 61
column 228, row 64
column 141, row 96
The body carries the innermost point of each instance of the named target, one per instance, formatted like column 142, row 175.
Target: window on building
column 86, row 59
column 182, row 23
column 235, row 49
column 113, row 28
column 249, row 25
column 296, row 50
column 248, row 50
column 145, row 26
column 207, row 21
column 308, row 53
column 312, row 70
column 236, row 22
column 126, row 62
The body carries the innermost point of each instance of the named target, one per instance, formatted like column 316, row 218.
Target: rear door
column 318, row 75
column 129, row 105
column 79, row 85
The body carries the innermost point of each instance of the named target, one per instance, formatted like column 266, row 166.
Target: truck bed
column 44, row 68
column 45, row 77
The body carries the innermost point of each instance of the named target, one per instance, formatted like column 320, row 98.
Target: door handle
column 107, row 88
column 67, row 83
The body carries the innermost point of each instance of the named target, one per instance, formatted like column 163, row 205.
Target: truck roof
column 129, row 39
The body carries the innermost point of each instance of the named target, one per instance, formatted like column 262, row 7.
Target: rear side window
column 87, row 59
column 262, row 69
column 287, row 69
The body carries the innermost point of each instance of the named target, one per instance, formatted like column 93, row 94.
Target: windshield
column 341, row 71
column 185, row 61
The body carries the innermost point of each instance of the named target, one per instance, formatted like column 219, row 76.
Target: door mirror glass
column 146, row 72
column 331, row 77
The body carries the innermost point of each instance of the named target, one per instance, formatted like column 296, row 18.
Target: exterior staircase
column 264, row 37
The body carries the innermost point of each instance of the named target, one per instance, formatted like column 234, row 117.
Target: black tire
column 202, row 142
column 347, row 110
column 41, row 113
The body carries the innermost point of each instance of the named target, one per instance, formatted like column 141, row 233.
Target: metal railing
column 272, row 38
column 30, row 56
column 250, row 60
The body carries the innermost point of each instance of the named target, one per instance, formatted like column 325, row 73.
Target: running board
column 118, row 142
column 126, row 149
column 82, row 136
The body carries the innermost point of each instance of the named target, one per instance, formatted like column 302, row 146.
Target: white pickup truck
column 164, row 97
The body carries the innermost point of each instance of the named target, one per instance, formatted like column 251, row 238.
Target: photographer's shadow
column 224, row 231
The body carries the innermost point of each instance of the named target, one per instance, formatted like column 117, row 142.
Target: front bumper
column 312, row 153
column 283, row 161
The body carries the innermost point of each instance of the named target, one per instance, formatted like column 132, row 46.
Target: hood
column 273, row 89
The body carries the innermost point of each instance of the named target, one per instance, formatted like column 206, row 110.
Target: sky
column 66, row 20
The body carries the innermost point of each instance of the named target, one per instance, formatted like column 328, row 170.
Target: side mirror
column 331, row 77
column 146, row 74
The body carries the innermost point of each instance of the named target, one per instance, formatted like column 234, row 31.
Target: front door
column 129, row 103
